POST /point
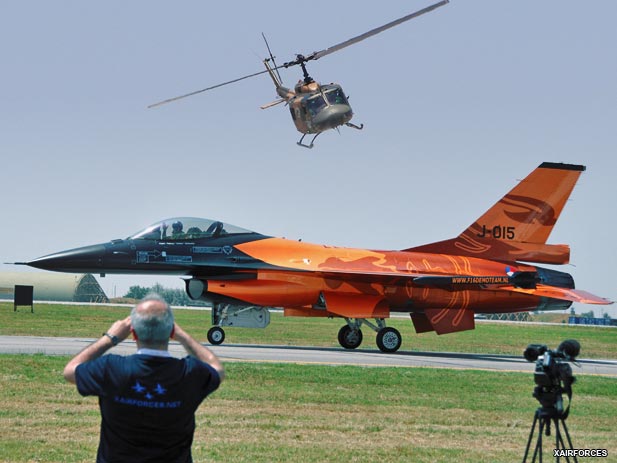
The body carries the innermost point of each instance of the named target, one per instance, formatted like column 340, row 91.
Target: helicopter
column 314, row 107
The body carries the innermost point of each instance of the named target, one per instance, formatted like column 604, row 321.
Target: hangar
column 61, row 287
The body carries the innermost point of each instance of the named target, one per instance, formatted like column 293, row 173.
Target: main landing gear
column 388, row 339
column 349, row 336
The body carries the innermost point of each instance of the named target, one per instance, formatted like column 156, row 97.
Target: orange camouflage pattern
column 468, row 274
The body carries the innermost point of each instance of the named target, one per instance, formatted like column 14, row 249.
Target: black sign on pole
column 23, row 296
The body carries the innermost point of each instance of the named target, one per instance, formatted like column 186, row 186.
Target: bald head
column 152, row 321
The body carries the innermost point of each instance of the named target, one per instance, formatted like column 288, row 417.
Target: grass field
column 280, row 413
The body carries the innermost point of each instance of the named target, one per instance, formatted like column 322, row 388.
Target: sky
column 457, row 106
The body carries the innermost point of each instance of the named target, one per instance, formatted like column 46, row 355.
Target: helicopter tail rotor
column 276, row 68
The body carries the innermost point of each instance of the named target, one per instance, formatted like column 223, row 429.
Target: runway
column 312, row 355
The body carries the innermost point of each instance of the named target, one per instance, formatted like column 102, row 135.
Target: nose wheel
column 216, row 335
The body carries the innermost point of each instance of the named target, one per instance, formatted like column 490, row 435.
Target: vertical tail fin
column 518, row 225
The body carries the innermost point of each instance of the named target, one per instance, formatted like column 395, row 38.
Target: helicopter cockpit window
column 336, row 96
column 187, row 228
column 315, row 103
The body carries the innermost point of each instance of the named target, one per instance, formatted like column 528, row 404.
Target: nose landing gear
column 216, row 335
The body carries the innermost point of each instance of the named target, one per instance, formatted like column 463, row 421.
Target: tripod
column 545, row 415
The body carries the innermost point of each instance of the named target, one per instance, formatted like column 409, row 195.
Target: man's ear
column 134, row 334
column 173, row 331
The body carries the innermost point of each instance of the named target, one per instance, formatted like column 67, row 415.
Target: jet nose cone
column 88, row 259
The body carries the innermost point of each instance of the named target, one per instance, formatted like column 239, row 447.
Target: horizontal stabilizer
column 564, row 294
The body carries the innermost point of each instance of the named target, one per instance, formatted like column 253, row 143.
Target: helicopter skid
column 299, row 143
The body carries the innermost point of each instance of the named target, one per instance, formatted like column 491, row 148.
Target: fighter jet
column 486, row 269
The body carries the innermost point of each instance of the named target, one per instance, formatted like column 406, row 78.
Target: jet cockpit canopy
column 187, row 228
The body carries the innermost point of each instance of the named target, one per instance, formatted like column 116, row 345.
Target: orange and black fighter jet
column 486, row 269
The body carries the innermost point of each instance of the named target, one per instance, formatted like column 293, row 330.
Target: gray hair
column 152, row 328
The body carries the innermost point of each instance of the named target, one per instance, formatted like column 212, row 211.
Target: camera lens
column 533, row 351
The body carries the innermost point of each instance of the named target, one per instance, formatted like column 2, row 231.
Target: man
column 148, row 399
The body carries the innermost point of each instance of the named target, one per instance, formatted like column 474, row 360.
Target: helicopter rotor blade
column 176, row 98
column 318, row 54
column 300, row 59
column 169, row 100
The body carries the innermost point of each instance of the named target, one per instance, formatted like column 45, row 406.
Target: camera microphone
column 570, row 348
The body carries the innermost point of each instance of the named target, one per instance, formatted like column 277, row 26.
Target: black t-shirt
column 147, row 404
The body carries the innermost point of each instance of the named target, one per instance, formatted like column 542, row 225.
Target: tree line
column 173, row 296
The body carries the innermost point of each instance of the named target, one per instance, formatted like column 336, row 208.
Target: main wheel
column 389, row 339
column 349, row 338
column 216, row 335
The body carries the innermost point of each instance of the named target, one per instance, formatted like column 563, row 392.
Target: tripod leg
column 565, row 428
column 539, row 443
column 538, row 448
column 559, row 439
column 533, row 427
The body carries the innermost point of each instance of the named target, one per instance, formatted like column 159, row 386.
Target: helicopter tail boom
column 272, row 103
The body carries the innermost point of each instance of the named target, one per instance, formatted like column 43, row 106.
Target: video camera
column 553, row 375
